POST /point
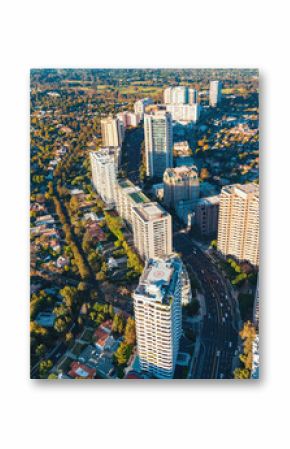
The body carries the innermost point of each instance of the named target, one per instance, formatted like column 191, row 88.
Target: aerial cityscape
column 144, row 224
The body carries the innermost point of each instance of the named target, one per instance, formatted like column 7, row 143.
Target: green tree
column 40, row 350
column 60, row 325
column 123, row 353
column 111, row 311
column 242, row 373
column 118, row 323
column 100, row 276
column 44, row 367
column 69, row 295
column 130, row 332
column 69, row 337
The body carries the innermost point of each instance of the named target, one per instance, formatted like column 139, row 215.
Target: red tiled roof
column 101, row 336
column 107, row 324
column 79, row 371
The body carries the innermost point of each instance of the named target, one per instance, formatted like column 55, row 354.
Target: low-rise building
column 182, row 149
column 45, row 319
column 81, row 371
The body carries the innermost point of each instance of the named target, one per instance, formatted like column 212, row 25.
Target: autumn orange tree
column 248, row 335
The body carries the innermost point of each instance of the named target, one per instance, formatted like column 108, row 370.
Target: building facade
column 113, row 132
column 215, row 93
column 158, row 142
column 152, row 230
column 180, row 183
column 238, row 224
column 129, row 119
column 104, row 173
column 158, row 316
column 140, row 106
column 206, row 215
column 185, row 113
column 180, row 95
column 127, row 196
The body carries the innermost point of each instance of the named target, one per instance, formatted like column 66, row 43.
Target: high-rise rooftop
column 158, row 279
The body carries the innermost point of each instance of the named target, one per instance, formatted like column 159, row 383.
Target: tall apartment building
column 192, row 96
column 238, row 225
column 158, row 316
column 152, row 230
column 140, row 106
column 206, row 215
column 104, row 173
column 215, row 93
column 127, row 196
column 184, row 112
column 158, row 142
column 180, row 95
column 129, row 119
column 180, row 183
column 113, row 132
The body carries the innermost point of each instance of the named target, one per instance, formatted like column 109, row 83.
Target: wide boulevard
column 219, row 334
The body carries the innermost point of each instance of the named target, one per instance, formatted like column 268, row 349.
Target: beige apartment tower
column 238, row 225
column 113, row 131
column 180, row 183
column 152, row 230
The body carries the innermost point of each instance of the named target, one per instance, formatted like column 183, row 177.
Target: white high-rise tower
column 104, row 164
column 158, row 316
